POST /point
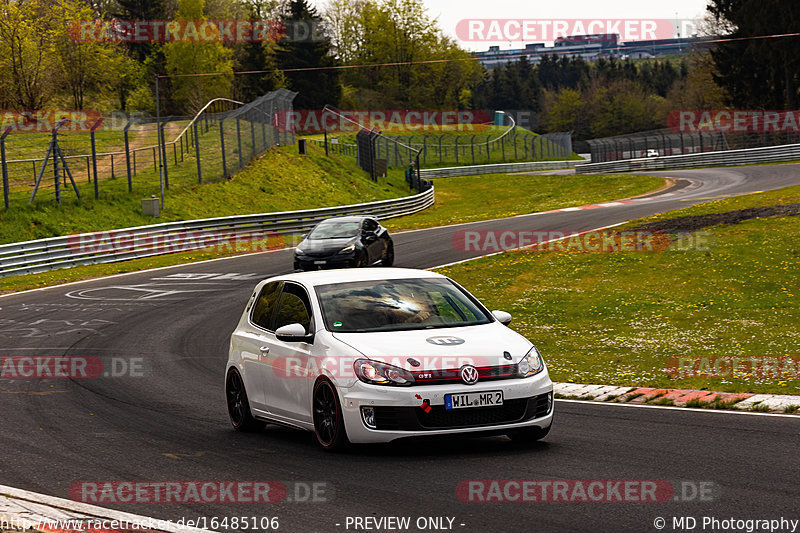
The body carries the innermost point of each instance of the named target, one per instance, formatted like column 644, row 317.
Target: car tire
column 361, row 262
column 238, row 406
column 388, row 258
column 329, row 429
column 530, row 435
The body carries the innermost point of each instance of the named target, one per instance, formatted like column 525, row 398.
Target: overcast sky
column 450, row 12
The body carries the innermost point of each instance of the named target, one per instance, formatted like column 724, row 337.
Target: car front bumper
column 307, row 262
column 417, row 411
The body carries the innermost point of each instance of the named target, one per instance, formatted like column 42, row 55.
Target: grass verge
column 618, row 318
column 456, row 199
column 472, row 198
column 280, row 180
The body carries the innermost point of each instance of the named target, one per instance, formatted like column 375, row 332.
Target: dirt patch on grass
column 697, row 222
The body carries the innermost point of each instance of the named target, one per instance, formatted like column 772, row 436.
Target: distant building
column 592, row 48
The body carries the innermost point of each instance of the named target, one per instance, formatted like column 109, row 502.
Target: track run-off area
column 156, row 413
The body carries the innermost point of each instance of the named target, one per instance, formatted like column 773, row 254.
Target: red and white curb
column 773, row 403
column 29, row 511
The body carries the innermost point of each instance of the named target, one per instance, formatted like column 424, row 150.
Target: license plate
column 320, row 262
column 473, row 399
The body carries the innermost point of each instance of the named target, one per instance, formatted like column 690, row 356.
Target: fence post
column 94, row 160
column 424, row 149
column 222, row 145
column 163, row 149
column 239, row 141
column 503, row 147
column 472, row 145
column 4, row 164
column 55, row 166
column 253, row 139
column 514, row 135
column 440, row 147
column 456, row 149
column 197, row 153
column 488, row 155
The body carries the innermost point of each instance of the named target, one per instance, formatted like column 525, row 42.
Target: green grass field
column 280, row 180
column 456, row 199
column 618, row 318
column 443, row 147
column 471, row 198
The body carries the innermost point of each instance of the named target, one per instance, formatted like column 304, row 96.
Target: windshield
column 394, row 305
column 335, row 229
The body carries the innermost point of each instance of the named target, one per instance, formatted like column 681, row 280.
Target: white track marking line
column 529, row 246
column 674, row 408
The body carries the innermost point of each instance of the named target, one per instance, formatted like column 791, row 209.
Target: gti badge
column 445, row 341
column 469, row 374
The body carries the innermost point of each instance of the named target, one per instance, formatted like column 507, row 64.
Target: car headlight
column 347, row 249
column 378, row 373
column 300, row 249
column 531, row 364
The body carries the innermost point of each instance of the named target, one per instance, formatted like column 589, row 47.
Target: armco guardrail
column 748, row 156
column 499, row 168
column 144, row 241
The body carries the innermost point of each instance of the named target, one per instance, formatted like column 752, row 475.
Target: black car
column 354, row 241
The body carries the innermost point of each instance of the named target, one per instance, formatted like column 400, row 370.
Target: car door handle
column 265, row 349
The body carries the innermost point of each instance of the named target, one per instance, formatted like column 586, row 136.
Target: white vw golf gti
column 374, row 355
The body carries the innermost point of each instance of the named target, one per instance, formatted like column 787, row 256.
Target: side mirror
column 293, row 333
column 502, row 317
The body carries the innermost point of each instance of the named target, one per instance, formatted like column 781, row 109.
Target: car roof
column 345, row 275
column 348, row 218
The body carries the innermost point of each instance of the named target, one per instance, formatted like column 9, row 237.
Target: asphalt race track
column 167, row 420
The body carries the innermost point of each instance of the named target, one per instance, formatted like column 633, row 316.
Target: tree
column 26, row 57
column 758, row 73
column 191, row 93
column 85, row 65
column 306, row 53
column 697, row 88
column 416, row 65
column 257, row 56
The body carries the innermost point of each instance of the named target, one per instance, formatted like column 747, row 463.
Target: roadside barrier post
column 163, row 152
column 97, row 124
column 197, row 154
column 239, row 141
column 252, row 140
column 222, row 146
column 4, row 164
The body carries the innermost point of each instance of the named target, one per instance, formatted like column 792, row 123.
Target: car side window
column 370, row 225
column 264, row 309
column 294, row 307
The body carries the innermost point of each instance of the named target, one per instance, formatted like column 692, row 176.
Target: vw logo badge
column 469, row 374
column 445, row 341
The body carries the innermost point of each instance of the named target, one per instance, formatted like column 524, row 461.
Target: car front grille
column 389, row 418
column 453, row 375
